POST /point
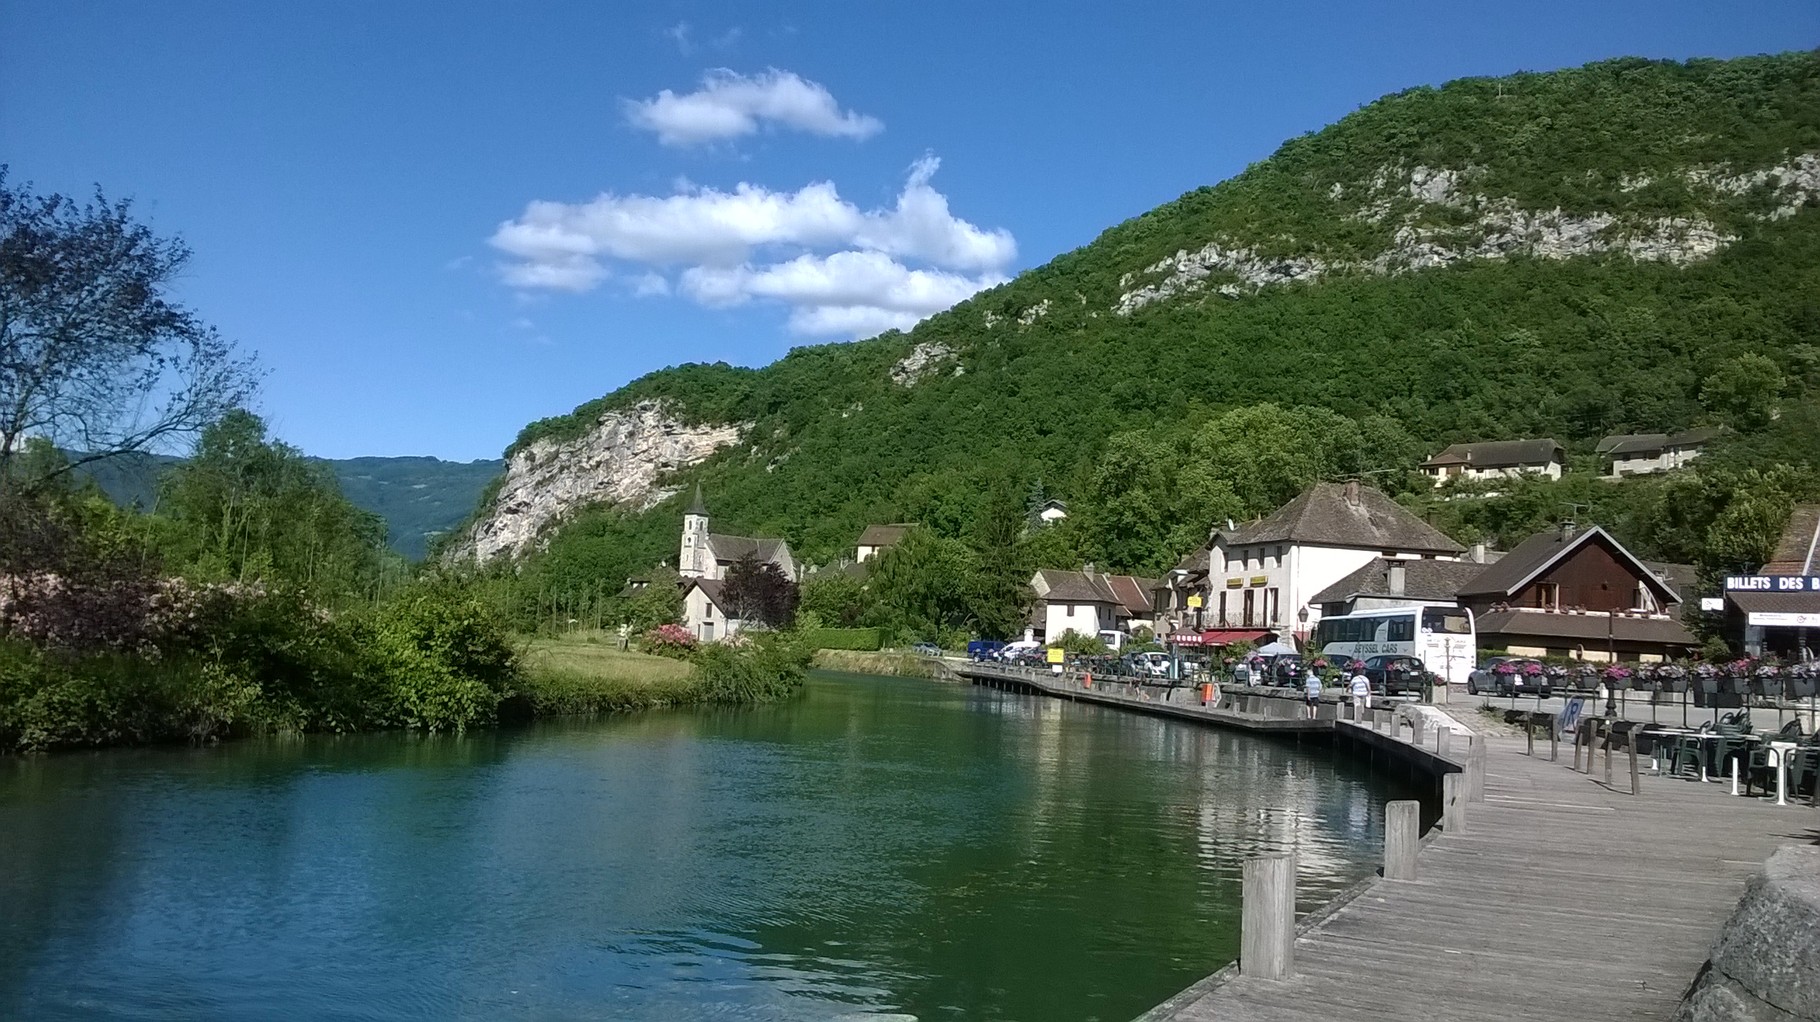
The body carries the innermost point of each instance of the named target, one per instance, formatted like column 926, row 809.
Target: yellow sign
column 1234, row 583
column 1258, row 580
column 1055, row 655
column 1194, row 601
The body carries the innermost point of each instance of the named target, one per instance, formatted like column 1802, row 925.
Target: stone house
column 1089, row 602
column 1646, row 453
column 1265, row 575
column 1497, row 459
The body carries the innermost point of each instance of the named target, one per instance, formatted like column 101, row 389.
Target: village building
column 879, row 538
column 703, row 563
column 1646, row 453
column 1089, row 602
column 1497, row 459
column 1264, row 575
column 1394, row 583
column 1051, row 511
column 1777, row 611
column 1179, row 599
column 1577, row 593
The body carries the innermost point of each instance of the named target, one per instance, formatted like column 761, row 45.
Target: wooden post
column 1475, row 769
column 1267, row 917
column 1554, row 743
column 1608, row 733
column 1402, row 819
column 1443, row 740
column 1453, row 803
column 1578, row 731
column 1529, row 734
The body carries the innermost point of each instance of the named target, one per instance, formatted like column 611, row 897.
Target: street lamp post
column 1301, row 617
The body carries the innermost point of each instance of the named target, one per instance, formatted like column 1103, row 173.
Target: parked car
column 984, row 649
column 925, row 649
column 1396, row 674
column 1516, row 679
column 1151, row 665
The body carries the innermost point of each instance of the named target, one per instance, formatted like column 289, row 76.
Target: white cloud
column 839, row 269
column 730, row 105
column 679, row 34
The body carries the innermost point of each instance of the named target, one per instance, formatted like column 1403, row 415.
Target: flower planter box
column 1800, row 688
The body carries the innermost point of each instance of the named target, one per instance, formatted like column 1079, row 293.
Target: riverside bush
column 863, row 639
column 769, row 666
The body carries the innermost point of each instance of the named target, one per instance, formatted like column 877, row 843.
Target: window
column 1222, row 609
column 1071, row 610
column 1250, row 608
column 707, row 611
column 1272, row 606
column 1443, row 619
column 1401, row 629
column 1548, row 596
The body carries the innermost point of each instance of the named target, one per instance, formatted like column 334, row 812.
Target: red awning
column 1226, row 636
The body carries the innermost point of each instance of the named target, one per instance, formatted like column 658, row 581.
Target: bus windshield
column 1446, row 619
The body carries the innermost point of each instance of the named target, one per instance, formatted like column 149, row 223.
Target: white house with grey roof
column 1089, row 602
column 1497, row 459
column 1263, row 575
column 1635, row 454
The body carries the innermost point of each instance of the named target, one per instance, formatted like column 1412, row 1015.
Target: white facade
column 1053, row 511
column 1087, row 619
column 696, row 559
column 1277, row 580
column 1443, row 473
column 1638, row 463
column 704, row 619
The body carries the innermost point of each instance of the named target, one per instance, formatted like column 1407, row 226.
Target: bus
column 1442, row 637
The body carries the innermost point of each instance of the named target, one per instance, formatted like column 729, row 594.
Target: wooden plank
column 1562, row 899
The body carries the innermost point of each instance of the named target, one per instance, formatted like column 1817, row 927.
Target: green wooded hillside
column 1373, row 362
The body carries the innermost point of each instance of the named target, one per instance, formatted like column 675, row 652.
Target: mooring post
column 1443, row 740
column 1637, row 781
column 1475, row 769
column 1529, row 734
column 1415, row 731
column 1453, row 803
column 1402, row 819
column 1578, row 731
column 1396, row 724
column 1267, row 917
column 1554, row 742
column 1608, row 736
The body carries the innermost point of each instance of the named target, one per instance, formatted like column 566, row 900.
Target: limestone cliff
column 622, row 460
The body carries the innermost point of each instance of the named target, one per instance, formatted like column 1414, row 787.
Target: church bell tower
column 696, row 560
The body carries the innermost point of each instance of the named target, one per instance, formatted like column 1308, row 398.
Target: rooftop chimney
column 1089, row 568
column 1567, row 531
column 1352, row 492
column 1477, row 553
column 1396, row 577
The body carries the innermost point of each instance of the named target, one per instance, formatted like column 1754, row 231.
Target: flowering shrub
column 1533, row 669
column 673, row 641
column 1616, row 672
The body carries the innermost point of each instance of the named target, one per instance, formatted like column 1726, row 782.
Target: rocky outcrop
column 1423, row 205
column 621, row 461
column 1766, row 964
column 926, row 359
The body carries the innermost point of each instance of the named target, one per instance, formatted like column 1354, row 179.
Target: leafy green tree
column 1743, row 391
column 923, row 584
column 836, row 598
column 659, row 602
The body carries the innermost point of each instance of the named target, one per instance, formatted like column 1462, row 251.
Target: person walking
column 1311, row 689
column 1361, row 692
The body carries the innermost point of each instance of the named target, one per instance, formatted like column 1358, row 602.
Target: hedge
column 843, row 638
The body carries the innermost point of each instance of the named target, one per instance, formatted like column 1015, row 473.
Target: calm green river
column 879, row 848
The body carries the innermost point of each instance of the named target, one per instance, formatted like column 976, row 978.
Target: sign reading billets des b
column 1772, row 583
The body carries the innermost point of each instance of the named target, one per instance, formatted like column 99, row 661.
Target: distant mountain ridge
column 1564, row 254
column 418, row 497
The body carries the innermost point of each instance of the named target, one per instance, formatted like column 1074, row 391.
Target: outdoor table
column 1655, row 734
column 1712, row 736
column 1778, row 758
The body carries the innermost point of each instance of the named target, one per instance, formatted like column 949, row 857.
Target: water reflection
column 878, row 848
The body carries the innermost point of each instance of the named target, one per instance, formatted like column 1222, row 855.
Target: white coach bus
column 1442, row 637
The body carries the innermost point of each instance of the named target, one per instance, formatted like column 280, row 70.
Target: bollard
column 1453, row 803
column 1206, row 694
column 1554, row 743
column 1443, row 740
column 1529, row 734
column 1415, row 731
column 1267, row 917
column 1734, row 775
column 1402, row 819
column 1637, row 782
column 1608, row 733
column 1578, row 730
column 1396, row 724
column 1475, row 769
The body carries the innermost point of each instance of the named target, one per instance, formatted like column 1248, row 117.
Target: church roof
column 732, row 548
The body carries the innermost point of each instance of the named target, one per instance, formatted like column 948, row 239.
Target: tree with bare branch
column 96, row 358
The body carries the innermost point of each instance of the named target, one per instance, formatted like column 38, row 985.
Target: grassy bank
column 899, row 664
column 585, row 673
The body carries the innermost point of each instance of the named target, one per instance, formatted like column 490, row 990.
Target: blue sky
column 435, row 222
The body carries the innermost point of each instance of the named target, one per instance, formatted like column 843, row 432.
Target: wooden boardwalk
column 1561, row 899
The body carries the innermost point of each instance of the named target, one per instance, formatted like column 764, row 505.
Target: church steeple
column 697, row 558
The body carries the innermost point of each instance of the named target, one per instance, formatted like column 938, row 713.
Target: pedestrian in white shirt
column 1361, row 693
